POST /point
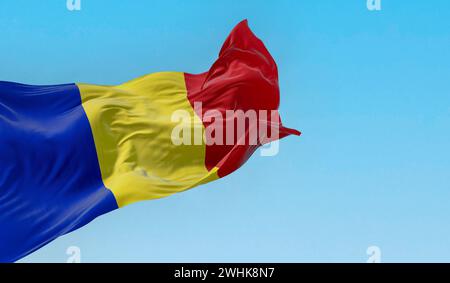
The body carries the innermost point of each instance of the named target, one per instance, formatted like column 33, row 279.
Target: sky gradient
column 368, row 89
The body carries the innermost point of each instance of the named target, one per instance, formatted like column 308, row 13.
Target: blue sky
column 369, row 90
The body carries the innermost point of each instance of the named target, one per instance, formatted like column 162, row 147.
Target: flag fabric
column 70, row 153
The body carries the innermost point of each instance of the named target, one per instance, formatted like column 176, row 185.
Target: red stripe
column 244, row 77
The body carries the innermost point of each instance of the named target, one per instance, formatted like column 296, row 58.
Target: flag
column 70, row 153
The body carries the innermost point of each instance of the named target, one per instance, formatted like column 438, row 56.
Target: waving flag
column 70, row 153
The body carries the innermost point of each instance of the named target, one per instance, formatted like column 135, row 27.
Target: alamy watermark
column 229, row 127
column 73, row 5
column 373, row 5
column 74, row 254
column 374, row 253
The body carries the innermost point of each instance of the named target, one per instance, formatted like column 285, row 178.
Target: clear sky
column 369, row 90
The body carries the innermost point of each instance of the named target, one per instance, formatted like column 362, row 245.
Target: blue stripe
column 50, row 180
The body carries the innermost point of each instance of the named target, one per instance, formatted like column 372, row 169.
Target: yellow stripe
column 131, row 124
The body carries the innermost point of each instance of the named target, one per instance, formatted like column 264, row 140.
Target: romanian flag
column 70, row 153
